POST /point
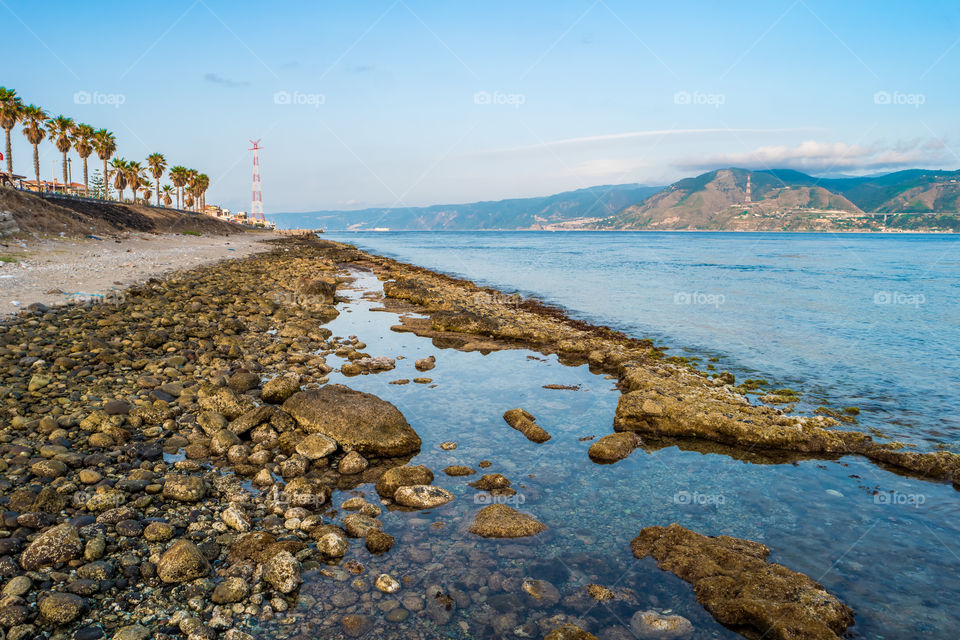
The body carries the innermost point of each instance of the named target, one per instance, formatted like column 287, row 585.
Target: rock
column 359, row 525
column 243, row 381
column 61, row 608
column 317, row 290
column 17, row 586
column 404, row 476
column 105, row 499
column 38, row 382
column 49, row 469
column 182, row 562
column 132, row 632
column 356, row 624
column 306, row 492
column 89, row 476
column 158, row 531
column 378, row 542
column 650, row 625
column 316, row 446
column 526, row 424
column 600, row 593
column 53, row 546
column 491, row 482
column 332, row 545
column 502, row 521
column 251, row 419
column 357, row 421
column 570, row 632
column 235, row 518
column 184, row 488
column 116, row 407
column 540, row 593
column 361, row 505
column 278, row 389
column 613, row 447
column 459, row 470
column 282, row 572
column 734, row 582
column 422, row 496
column 425, row 364
column 352, row 463
column 231, row 590
column 448, row 446
column 387, row 583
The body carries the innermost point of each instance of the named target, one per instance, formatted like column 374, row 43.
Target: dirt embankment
column 35, row 214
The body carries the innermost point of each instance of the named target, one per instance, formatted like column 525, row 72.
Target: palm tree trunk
column 86, row 184
column 178, row 197
column 9, row 156
column 36, row 164
column 66, row 183
column 106, row 182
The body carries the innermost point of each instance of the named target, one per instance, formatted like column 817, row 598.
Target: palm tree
column 11, row 111
column 134, row 175
column 167, row 190
column 146, row 185
column 179, row 177
column 83, row 139
column 119, row 176
column 203, row 183
column 33, row 118
column 192, row 181
column 61, row 129
column 106, row 145
column 158, row 165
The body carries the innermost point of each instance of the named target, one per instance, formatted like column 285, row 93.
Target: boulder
column 502, row 521
column 58, row 544
column 61, row 608
column 733, row 580
column 357, row 421
column 404, row 476
column 650, row 625
column 184, row 488
column 316, row 446
column 278, row 389
column 231, row 590
column 422, row 496
column 613, row 447
column 526, row 424
column 352, row 464
column 182, row 562
column 282, row 572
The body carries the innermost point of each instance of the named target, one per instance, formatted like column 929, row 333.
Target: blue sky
column 408, row 103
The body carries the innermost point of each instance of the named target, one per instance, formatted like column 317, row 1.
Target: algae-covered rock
column 403, row 476
column 734, row 582
column 502, row 521
column 357, row 421
column 422, row 496
column 526, row 424
column 182, row 562
column 53, row 546
column 613, row 447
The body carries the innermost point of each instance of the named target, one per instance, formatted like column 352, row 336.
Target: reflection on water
column 893, row 561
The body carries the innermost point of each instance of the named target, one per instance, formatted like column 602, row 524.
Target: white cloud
column 815, row 155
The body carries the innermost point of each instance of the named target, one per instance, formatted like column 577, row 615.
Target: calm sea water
column 862, row 320
column 800, row 310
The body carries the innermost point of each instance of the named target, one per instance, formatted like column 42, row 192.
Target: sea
column 845, row 320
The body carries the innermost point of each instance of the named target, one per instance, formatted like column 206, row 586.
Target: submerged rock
column 357, row 421
column 459, row 470
column 422, row 496
column 526, row 424
column 650, row 625
column 734, row 582
column 570, row 632
column 282, row 572
column 613, row 447
column 502, row 521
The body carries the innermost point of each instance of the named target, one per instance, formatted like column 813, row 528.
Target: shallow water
column 894, row 563
column 871, row 321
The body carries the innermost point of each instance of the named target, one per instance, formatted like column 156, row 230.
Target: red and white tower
column 256, row 203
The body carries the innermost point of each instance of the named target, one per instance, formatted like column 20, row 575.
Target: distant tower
column 748, row 188
column 256, row 203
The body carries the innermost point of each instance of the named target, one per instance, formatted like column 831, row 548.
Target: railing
column 79, row 198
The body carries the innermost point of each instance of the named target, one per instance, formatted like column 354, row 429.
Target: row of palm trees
column 190, row 185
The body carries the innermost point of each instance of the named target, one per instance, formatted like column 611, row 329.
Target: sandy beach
column 56, row 271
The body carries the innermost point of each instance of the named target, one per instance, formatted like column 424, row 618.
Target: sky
column 407, row 103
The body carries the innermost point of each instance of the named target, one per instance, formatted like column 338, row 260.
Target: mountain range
column 724, row 199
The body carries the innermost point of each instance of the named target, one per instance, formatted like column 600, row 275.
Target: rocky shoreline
column 168, row 460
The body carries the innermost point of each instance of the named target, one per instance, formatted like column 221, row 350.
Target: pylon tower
column 256, row 202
